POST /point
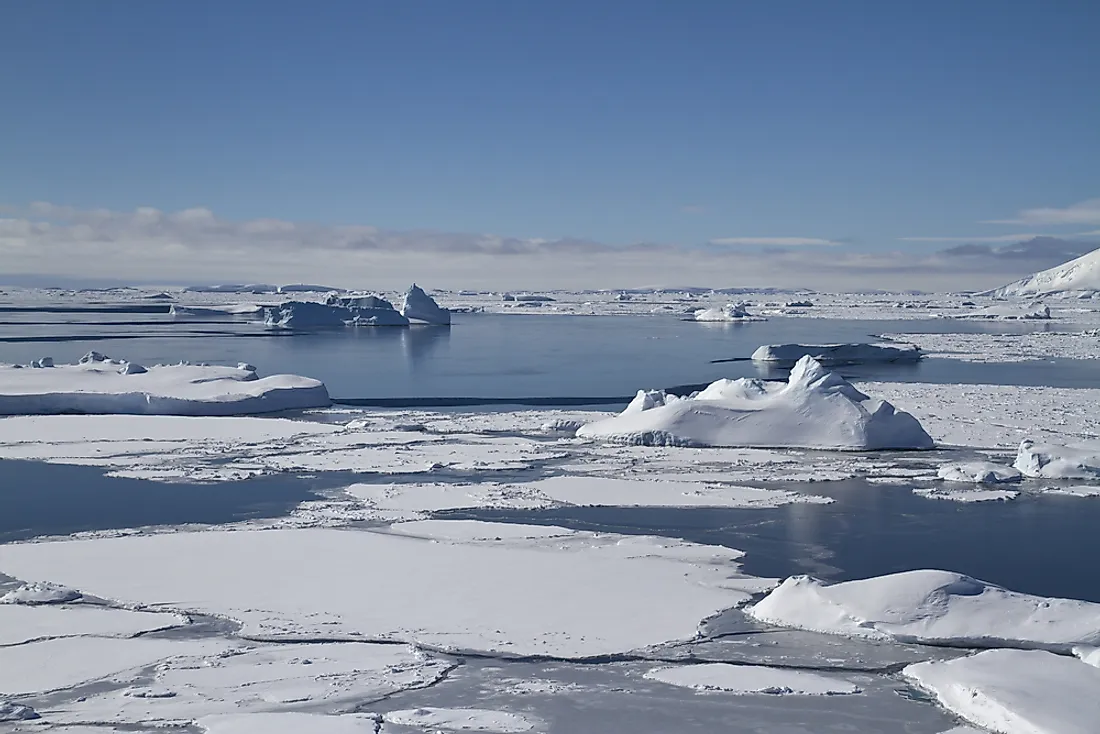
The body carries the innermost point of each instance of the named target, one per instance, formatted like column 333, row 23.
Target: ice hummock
column 931, row 607
column 1050, row 461
column 40, row 592
column 98, row 384
column 1026, row 691
column 729, row 312
column 836, row 354
column 815, row 409
column 419, row 306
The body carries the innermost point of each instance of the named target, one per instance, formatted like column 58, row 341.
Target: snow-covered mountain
column 1082, row 274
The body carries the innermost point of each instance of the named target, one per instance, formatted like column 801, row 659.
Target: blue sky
column 617, row 122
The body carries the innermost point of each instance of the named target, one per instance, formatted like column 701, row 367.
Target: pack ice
column 835, row 354
column 98, row 384
column 932, row 607
column 814, row 409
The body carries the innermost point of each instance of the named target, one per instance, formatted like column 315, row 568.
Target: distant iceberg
column 101, row 385
column 815, row 409
column 419, row 306
column 729, row 312
column 337, row 312
column 836, row 354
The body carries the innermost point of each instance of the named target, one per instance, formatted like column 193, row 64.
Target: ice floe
column 1009, row 312
column 20, row 623
column 747, row 679
column 978, row 472
column 289, row 722
column 815, row 409
column 40, row 592
column 419, row 306
column 966, row 495
column 460, row 720
column 516, row 597
column 1050, row 461
column 932, row 607
column 101, row 385
column 836, row 354
column 1015, row 691
column 729, row 312
column 12, row 711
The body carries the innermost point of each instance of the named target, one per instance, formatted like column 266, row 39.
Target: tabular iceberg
column 815, row 409
column 105, row 386
column 834, row 354
column 336, row 312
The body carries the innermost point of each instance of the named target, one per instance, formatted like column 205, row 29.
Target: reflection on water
column 1039, row 545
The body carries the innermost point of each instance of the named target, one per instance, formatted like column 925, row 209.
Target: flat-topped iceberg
column 337, row 312
column 419, row 306
column 836, row 354
column 1010, row 691
column 931, row 607
column 104, row 386
column 1049, row 461
column 729, row 312
column 814, row 409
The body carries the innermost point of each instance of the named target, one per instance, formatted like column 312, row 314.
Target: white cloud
column 771, row 241
column 998, row 238
column 195, row 245
column 1085, row 212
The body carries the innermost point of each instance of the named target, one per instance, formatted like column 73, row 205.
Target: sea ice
column 1009, row 312
column 41, row 592
column 747, row 679
column 815, row 409
column 448, row 719
column 516, row 598
column 836, row 354
column 729, row 312
column 1015, row 691
column 20, row 623
column 289, row 722
column 101, row 385
column 931, row 607
column 419, row 306
column 955, row 494
column 1048, row 461
column 12, row 711
column 978, row 472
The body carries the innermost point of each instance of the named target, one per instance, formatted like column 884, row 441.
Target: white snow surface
column 517, row 597
column 978, row 472
column 288, row 722
column 815, row 409
column 1015, row 691
column 836, row 354
column 749, row 679
column 20, row 623
column 40, row 593
column 1079, row 275
column 419, row 306
column 1009, row 312
column 100, row 385
column 460, row 719
column 1050, row 461
column 932, row 607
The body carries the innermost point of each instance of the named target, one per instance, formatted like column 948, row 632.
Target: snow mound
column 814, row 409
column 100, row 385
column 40, row 592
column 12, row 711
column 931, row 607
column 1015, row 691
column 1049, row 461
column 419, row 306
column 729, row 312
column 1009, row 312
column 978, row 472
column 445, row 719
column 835, row 354
column 1079, row 275
column 747, row 679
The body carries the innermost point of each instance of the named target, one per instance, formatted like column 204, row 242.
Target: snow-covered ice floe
column 41, row 592
column 444, row 584
column 98, row 384
column 729, row 312
column 459, row 720
column 836, row 354
column 289, row 722
column 1009, row 312
column 815, row 409
column 931, row 607
column 419, row 306
column 978, row 472
column 1049, row 461
column 214, row 312
column 967, row 495
column 748, row 679
column 1016, row 691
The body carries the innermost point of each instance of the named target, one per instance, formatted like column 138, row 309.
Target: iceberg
column 729, row 312
column 1049, row 461
column 337, row 312
column 1009, row 312
column 815, row 409
column 419, row 306
column 1081, row 275
column 1010, row 691
column 104, row 386
column 931, row 607
column 836, row 354
column 978, row 472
